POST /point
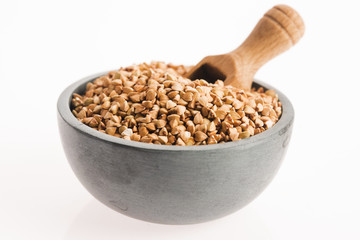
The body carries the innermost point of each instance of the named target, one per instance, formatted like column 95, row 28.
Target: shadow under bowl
column 172, row 184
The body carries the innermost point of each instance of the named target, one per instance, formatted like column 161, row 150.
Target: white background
column 47, row 45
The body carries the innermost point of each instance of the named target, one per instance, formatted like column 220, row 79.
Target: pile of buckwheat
column 154, row 103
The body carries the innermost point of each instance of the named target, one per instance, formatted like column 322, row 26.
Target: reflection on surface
column 96, row 221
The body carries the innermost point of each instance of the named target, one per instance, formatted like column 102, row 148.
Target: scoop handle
column 278, row 30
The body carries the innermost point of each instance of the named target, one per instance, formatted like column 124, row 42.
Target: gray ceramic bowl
column 172, row 184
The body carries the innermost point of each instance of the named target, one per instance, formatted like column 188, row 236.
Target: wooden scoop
column 279, row 29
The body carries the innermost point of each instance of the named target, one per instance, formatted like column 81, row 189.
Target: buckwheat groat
column 154, row 103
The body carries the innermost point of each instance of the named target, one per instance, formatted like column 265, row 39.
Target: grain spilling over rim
column 154, row 103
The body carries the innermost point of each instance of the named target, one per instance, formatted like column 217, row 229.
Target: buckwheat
column 154, row 103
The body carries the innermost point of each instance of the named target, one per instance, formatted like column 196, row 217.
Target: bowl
column 172, row 184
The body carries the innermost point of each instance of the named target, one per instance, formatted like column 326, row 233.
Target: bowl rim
column 64, row 111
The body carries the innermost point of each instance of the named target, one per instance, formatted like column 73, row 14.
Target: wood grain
column 278, row 30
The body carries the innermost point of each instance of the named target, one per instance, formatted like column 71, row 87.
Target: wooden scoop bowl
column 279, row 29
